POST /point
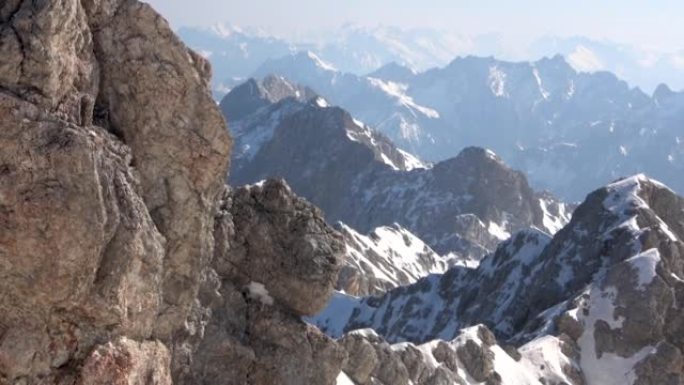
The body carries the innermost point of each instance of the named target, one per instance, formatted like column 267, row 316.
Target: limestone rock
column 112, row 166
column 276, row 259
column 362, row 357
column 282, row 243
column 81, row 257
column 127, row 362
column 48, row 54
column 154, row 91
column 477, row 359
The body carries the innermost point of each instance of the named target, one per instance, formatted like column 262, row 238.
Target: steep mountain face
column 255, row 294
column 382, row 103
column 567, row 130
column 389, row 257
column 608, row 285
column 465, row 205
column 248, row 97
column 123, row 257
column 394, row 72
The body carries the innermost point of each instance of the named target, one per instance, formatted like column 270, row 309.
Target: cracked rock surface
column 123, row 257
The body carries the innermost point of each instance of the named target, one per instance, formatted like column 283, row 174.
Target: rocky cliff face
column 276, row 260
column 122, row 257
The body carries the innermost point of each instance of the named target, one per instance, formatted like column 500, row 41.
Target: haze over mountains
column 236, row 52
column 567, row 130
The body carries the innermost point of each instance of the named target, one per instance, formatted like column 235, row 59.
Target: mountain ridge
column 376, row 184
column 543, row 117
column 606, row 284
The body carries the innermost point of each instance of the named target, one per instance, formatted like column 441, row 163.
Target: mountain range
column 464, row 206
column 567, row 131
column 237, row 52
column 597, row 303
column 472, row 277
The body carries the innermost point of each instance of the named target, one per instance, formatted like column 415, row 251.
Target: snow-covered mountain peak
column 463, row 206
column 254, row 94
column 388, row 257
column 319, row 62
column 628, row 194
column 256, row 108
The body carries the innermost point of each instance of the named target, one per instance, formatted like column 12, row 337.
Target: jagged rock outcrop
column 252, row 95
column 473, row 357
column 127, row 362
column 112, row 165
column 276, row 260
column 603, row 293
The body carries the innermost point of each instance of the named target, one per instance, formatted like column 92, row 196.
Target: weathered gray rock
column 282, row 242
column 48, row 55
column 112, row 163
column 81, row 258
column 154, row 92
column 362, row 357
column 373, row 361
column 662, row 367
column 476, row 359
column 443, row 376
column 127, row 362
column 275, row 260
column 418, row 369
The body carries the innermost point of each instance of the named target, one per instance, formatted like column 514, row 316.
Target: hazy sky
column 652, row 24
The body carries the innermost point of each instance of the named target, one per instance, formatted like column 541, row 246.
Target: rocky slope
column 473, row 357
column 465, row 205
column 602, row 295
column 568, row 131
column 123, row 257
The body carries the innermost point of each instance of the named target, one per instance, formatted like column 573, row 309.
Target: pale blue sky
column 652, row 24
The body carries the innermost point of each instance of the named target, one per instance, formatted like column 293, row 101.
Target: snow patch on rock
column 645, row 264
column 258, row 291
